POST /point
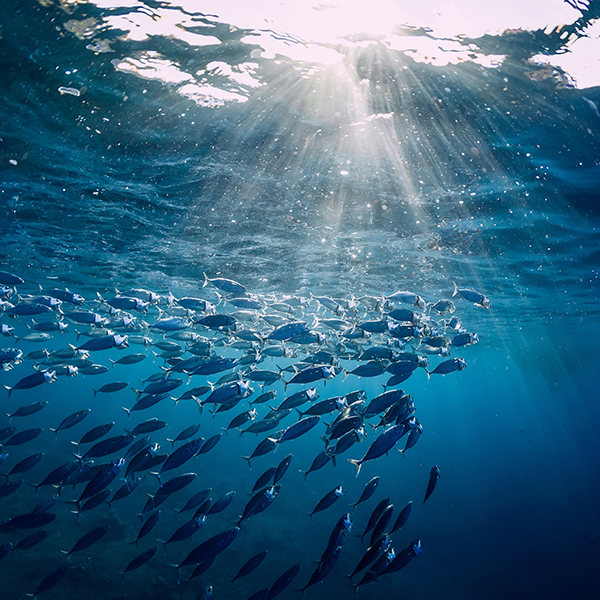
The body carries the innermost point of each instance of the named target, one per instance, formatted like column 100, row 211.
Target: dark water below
column 215, row 146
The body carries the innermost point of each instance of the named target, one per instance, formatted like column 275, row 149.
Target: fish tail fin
column 7, row 387
column 356, row 463
column 164, row 545
column 128, row 411
column 346, row 373
column 301, row 590
column 172, row 442
column 206, row 280
column 248, row 458
column 455, row 289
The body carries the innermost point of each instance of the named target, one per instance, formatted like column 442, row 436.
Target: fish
column 402, row 517
column 102, row 479
column 109, row 446
column 145, row 402
column 374, row 551
column 282, row 468
column 413, row 436
column 30, row 409
column 287, row 331
column 172, row 324
column 344, row 443
column 65, row 296
column 375, row 515
column 124, row 491
column 434, row 475
column 230, row 391
column 383, row 444
column 449, row 366
column 186, row 531
column 210, row 548
column 226, row 285
column 367, row 492
column 382, row 402
column 33, row 380
column 328, row 500
column 310, row 374
column 464, row 339
column 105, row 342
column 283, row 581
column 408, row 297
column 264, row 479
column 72, row 420
column 10, row 279
column 299, row 428
column 58, row 475
column 27, row 521
column 175, row 484
column 187, row 433
column 50, row 580
column 259, row 502
column 209, row 444
column 26, row 309
column 149, row 426
column 182, row 454
column 195, row 501
column 472, row 296
column 318, row 463
column 10, row 487
column 87, row 540
column 250, row 565
column 138, row 561
column 26, row 464
column 160, row 387
column 382, row 523
column 95, row 433
column 129, row 359
column 147, row 526
column 31, row 540
column 222, row 503
column 22, row 437
column 325, row 406
column 323, row 569
column 110, row 388
column 47, row 504
column 373, row 368
column 217, row 322
column 404, row 557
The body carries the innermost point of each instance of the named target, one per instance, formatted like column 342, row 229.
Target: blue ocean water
column 144, row 144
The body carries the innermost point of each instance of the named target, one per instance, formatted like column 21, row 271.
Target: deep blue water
column 361, row 171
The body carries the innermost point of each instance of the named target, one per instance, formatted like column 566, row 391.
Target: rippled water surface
column 342, row 150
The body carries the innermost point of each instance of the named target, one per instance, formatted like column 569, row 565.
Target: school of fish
column 264, row 359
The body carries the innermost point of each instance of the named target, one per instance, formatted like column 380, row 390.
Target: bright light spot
column 151, row 65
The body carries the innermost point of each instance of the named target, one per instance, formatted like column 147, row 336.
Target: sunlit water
column 342, row 150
